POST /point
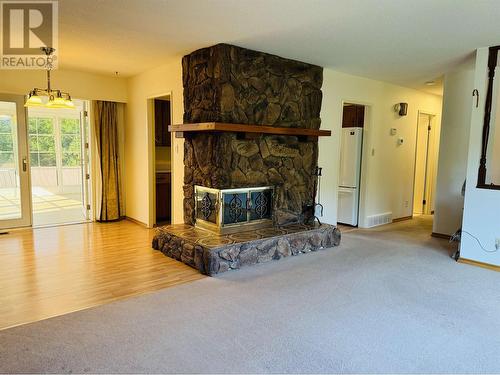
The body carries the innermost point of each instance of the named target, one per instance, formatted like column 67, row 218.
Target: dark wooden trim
column 481, row 176
column 440, row 235
column 243, row 128
column 404, row 218
column 491, row 186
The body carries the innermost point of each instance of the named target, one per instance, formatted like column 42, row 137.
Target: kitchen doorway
column 160, row 109
column 353, row 122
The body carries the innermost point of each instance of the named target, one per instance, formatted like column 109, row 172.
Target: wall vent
column 380, row 219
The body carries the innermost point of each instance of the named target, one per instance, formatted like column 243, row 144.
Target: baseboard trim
column 441, row 235
column 136, row 221
column 471, row 262
column 404, row 218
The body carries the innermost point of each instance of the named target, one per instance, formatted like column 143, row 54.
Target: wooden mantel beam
column 244, row 128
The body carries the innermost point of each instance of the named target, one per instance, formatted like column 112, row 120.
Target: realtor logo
column 26, row 26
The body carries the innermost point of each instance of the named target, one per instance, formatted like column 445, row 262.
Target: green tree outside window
column 6, row 143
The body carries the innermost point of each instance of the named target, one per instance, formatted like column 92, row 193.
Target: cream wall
column 80, row 85
column 452, row 169
column 139, row 146
column 389, row 183
column 388, row 169
column 481, row 226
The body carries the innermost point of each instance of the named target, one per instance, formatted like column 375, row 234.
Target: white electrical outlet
column 497, row 243
column 406, row 204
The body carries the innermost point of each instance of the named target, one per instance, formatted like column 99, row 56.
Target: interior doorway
column 353, row 122
column 424, row 164
column 58, row 142
column 161, row 115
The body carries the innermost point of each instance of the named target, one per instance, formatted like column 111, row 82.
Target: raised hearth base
column 212, row 254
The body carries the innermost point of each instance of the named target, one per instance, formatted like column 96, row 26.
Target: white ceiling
column 398, row 41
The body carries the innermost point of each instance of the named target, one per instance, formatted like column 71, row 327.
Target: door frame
column 22, row 155
column 87, row 157
column 429, row 191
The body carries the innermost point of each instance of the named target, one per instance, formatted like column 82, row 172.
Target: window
column 42, row 142
column 71, row 147
column 6, row 143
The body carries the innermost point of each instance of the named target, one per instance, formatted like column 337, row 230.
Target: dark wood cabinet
column 162, row 121
column 353, row 116
column 163, row 197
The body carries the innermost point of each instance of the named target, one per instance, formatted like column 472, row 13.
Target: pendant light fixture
column 55, row 98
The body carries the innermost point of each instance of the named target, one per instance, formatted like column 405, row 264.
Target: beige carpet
column 387, row 300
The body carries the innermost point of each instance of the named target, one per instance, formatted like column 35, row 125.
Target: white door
column 15, row 197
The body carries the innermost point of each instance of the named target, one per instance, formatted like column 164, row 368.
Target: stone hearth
column 212, row 254
column 233, row 85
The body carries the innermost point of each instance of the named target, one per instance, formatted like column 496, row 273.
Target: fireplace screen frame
column 216, row 209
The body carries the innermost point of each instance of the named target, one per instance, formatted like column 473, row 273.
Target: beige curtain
column 106, row 135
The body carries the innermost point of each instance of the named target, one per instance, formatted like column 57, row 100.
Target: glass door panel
column 56, row 141
column 14, row 177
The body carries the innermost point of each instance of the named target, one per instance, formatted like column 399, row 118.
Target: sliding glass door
column 15, row 202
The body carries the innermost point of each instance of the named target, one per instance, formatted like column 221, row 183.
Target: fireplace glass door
column 230, row 210
column 235, row 208
column 206, row 205
column 260, row 204
column 246, row 205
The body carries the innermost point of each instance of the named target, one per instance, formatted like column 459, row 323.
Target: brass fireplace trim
column 222, row 228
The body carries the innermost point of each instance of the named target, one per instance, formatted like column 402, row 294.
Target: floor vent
column 380, row 219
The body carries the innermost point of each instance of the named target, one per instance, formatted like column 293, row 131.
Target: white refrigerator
column 349, row 177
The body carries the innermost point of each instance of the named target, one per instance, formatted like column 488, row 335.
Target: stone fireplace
column 229, row 84
column 251, row 127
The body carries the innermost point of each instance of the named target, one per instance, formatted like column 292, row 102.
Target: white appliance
column 350, row 172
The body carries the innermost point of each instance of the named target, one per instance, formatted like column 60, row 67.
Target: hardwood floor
column 52, row 271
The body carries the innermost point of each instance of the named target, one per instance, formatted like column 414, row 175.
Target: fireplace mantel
column 179, row 129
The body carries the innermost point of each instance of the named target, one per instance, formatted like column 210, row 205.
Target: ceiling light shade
column 57, row 98
column 33, row 101
column 56, row 102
